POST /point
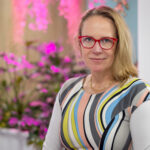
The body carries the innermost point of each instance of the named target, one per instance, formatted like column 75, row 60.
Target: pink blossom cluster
column 71, row 10
column 19, row 8
column 38, row 11
column 29, row 109
column 26, row 120
column 17, row 63
column 49, row 49
column 39, row 14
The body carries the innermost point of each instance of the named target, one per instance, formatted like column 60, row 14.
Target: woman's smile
column 97, row 59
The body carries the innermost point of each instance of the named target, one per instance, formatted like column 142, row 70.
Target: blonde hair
column 123, row 67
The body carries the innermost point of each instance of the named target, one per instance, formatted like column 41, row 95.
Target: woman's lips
column 97, row 59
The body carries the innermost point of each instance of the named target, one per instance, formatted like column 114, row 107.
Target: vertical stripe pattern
column 99, row 121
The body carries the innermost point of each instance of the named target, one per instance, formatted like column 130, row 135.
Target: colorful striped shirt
column 99, row 121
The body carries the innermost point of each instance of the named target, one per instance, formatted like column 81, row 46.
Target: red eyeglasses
column 105, row 43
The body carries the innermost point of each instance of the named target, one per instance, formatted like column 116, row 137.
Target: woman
column 94, row 111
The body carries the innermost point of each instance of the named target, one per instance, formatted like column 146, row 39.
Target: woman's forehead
column 98, row 26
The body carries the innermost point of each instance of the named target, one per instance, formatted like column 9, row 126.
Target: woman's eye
column 106, row 40
column 87, row 39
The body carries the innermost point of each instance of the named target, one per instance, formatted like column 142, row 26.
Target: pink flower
column 43, row 131
column 50, row 48
column 10, row 59
column 65, row 71
column 27, row 110
column 29, row 121
column 45, row 114
column 49, row 99
column 14, row 99
column 25, row 64
column 44, row 90
column 60, row 49
column 67, row 59
column 36, row 103
column 34, row 75
column 55, row 69
column 17, row 63
column 22, row 123
column 43, row 59
column 40, row 64
column 66, row 77
column 42, row 136
column 13, row 121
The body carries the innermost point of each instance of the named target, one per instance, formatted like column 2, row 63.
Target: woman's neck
column 97, row 82
column 100, row 78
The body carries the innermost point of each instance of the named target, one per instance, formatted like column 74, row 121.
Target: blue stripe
column 112, row 126
column 111, row 108
column 96, row 114
column 113, row 105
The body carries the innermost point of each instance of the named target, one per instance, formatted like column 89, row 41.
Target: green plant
column 28, row 88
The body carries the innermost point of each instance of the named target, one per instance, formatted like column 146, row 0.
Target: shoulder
column 138, row 90
column 72, row 84
column 137, row 83
column 135, row 91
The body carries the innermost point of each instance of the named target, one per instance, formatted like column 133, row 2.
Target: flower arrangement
column 28, row 88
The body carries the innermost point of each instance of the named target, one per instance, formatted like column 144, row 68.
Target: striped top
column 99, row 121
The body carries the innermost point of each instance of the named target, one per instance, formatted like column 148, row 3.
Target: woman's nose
column 97, row 48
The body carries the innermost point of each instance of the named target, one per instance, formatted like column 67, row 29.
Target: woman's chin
column 97, row 69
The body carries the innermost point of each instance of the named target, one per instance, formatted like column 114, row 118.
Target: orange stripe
column 81, row 109
column 129, row 110
column 142, row 98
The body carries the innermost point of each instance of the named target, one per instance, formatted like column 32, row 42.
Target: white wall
column 144, row 39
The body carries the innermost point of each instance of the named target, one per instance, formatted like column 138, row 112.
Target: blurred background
column 37, row 54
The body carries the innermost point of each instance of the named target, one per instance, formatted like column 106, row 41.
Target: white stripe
column 87, row 123
column 73, row 91
column 137, row 97
column 110, row 139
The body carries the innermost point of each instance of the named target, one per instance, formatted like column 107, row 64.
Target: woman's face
column 96, row 58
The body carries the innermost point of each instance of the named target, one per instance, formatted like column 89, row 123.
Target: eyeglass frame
column 95, row 40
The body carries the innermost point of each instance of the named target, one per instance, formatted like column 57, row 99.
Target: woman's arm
column 140, row 127
column 52, row 140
